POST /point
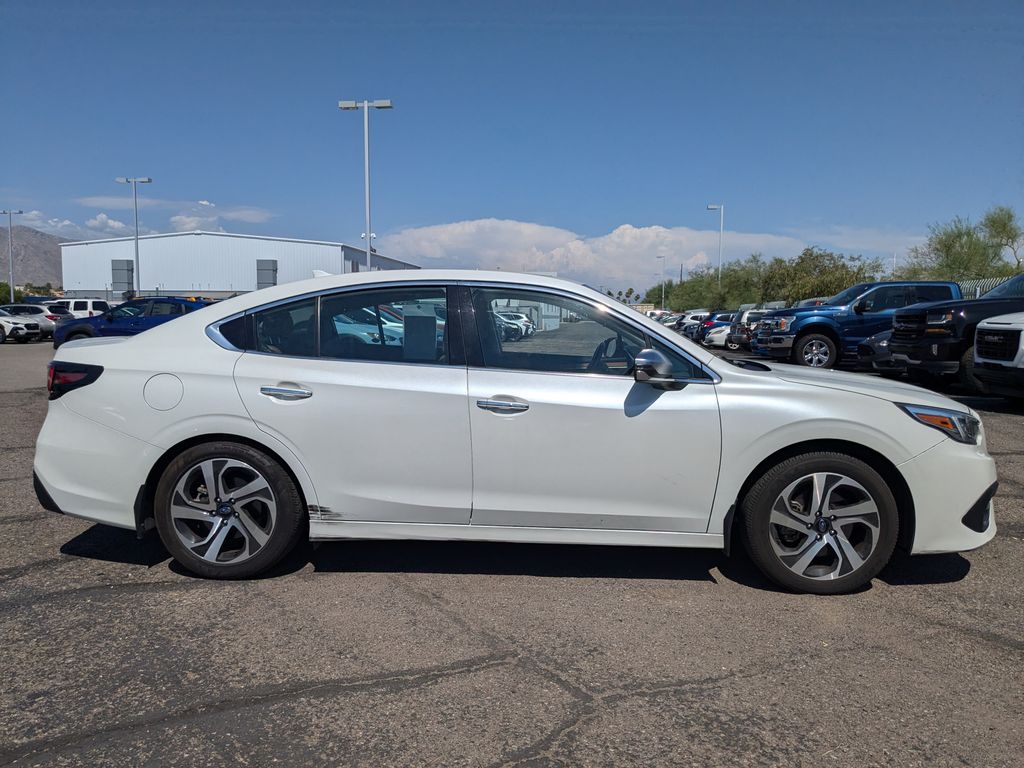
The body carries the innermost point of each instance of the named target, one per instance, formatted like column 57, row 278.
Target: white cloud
column 108, row 226
column 55, row 226
column 247, row 214
column 207, row 203
column 624, row 257
column 126, row 203
column 864, row 240
column 186, row 222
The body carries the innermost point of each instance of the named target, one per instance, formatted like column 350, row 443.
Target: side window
column 81, row 306
column 889, row 297
column 289, row 329
column 932, row 293
column 131, row 309
column 568, row 336
column 164, row 308
column 100, row 306
column 407, row 325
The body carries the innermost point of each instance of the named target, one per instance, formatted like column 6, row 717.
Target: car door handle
column 502, row 406
column 286, row 393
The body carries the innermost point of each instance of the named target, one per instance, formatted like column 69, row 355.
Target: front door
column 376, row 413
column 562, row 435
column 124, row 320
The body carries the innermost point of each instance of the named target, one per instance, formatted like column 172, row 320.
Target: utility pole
column 135, row 181
column 366, row 106
column 720, row 207
column 10, row 246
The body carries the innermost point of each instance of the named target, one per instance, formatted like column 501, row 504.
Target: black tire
column 761, row 535
column 966, row 377
column 77, row 336
column 3, row 335
column 804, row 347
column 732, row 346
column 285, row 530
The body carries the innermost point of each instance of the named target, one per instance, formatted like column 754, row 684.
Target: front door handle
column 502, row 406
column 286, row 393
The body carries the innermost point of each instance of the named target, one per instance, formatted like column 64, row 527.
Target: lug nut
column 818, row 537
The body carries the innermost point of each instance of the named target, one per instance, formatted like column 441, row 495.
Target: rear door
column 563, row 437
column 377, row 415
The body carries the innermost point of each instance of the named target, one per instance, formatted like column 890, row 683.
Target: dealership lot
column 397, row 653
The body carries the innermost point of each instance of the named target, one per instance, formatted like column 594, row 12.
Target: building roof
column 216, row 234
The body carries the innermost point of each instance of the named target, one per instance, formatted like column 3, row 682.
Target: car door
column 877, row 308
column 123, row 320
column 158, row 311
column 378, row 418
column 562, row 435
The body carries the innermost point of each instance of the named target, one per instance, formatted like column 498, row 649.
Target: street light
column 135, row 181
column 662, row 257
column 10, row 245
column 720, row 207
column 366, row 106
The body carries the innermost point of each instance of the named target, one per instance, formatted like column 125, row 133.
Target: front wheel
column 823, row 523
column 227, row 511
column 3, row 335
column 966, row 374
column 815, row 350
column 732, row 346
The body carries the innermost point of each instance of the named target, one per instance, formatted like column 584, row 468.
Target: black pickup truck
column 937, row 338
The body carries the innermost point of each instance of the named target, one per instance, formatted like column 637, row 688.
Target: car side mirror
column 109, row 316
column 861, row 306
column 654, row 368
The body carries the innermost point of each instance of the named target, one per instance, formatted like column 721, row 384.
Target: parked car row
column 44, row 318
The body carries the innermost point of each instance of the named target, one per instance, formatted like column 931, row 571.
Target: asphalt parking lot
column 405, row 653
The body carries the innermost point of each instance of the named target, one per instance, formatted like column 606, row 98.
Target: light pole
column 135, row 181
column 10, row 245
column 662, row 257
column 366, row 106
column 720, row 207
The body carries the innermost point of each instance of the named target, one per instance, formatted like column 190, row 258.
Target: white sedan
column 228, row 431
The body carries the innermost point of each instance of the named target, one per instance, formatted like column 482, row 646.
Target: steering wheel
column 605, row 352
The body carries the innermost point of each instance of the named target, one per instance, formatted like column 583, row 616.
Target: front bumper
column 939, row 356
column 22, row 333
column 772, row 344
column 1001, row 379
column 948, row 482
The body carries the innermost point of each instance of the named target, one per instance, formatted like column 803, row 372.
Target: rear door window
column 933, row 292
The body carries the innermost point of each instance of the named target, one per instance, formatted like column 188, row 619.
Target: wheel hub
column 226, row 509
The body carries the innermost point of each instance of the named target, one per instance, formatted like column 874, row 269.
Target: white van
column 84, row 307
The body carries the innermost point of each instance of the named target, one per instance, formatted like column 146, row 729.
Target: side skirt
column 331, row 531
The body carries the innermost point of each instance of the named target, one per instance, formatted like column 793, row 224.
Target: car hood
column 870, row 386
column 954, row 304
column 821, row 309
column 1017, row 318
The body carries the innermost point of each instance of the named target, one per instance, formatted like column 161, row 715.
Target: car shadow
column 114, row 545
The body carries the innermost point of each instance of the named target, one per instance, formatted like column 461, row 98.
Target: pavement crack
column 390, row 682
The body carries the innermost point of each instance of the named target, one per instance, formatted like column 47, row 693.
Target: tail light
column 61, row 377
column 708, row 322
column 53, row 317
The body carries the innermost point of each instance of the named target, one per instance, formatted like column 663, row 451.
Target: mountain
column 36, row 257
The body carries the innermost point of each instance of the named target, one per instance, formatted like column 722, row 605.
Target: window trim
column 475, row 353
column 454, row 360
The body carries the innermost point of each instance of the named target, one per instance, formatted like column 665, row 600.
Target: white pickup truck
column 999, row 354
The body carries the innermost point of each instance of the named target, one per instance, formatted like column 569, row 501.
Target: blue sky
column 585, row 137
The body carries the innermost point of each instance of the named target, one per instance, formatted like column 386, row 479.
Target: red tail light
column 709, row 322
column 61, row 378
column 53, row 317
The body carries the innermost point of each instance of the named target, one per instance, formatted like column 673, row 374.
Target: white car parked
column 999, row 354
column 21, row 329
column 86, row 307
column 228, row 440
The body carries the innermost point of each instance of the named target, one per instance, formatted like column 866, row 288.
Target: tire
column 732, row 346
column 225, row 540
column 77, row 336
column 843, row 555
column 3, row 335
column 965, row 375
column 815, row 350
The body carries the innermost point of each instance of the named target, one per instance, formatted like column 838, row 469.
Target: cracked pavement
column 448, row 654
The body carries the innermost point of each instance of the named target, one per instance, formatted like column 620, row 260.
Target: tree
column 629, row 295
column 958, row 251
column 1001, row 227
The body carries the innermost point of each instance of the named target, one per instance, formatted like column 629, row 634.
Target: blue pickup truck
column 128, row 319
column 824, row 335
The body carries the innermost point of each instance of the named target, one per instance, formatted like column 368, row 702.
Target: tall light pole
column 135, row 181
column 366, row 106
column 10, row 245
column 662, row 257
column 720, row 207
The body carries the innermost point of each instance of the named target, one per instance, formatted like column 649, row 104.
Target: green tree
column 958, row 251
column 1001, row 227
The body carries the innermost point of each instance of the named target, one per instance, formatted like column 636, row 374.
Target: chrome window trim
column 214, row 334
column 714, row 378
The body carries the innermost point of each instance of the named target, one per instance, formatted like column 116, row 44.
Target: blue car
column 128, row 319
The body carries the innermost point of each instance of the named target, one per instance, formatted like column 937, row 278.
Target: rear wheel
column 824, row 523
column 815, row 350
column 227, row 511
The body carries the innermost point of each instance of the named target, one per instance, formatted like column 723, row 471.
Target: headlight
column 939, row 318
column 957, row 425
column 883, row 343
column 783, row 323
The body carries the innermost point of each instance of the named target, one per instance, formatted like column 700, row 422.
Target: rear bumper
column 88, row 470
column 948, row 483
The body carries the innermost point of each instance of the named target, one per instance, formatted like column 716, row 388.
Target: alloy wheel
column 824, row 526
column 816, row 354
column 223, row 510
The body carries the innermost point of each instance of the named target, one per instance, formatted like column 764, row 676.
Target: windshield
column 1011, row 289
column 4, row 314
column 841, row 299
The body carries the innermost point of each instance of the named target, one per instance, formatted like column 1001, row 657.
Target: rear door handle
column 502, row 406
column 286, row 393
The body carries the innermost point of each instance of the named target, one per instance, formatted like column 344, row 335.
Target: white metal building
column 214, row 264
